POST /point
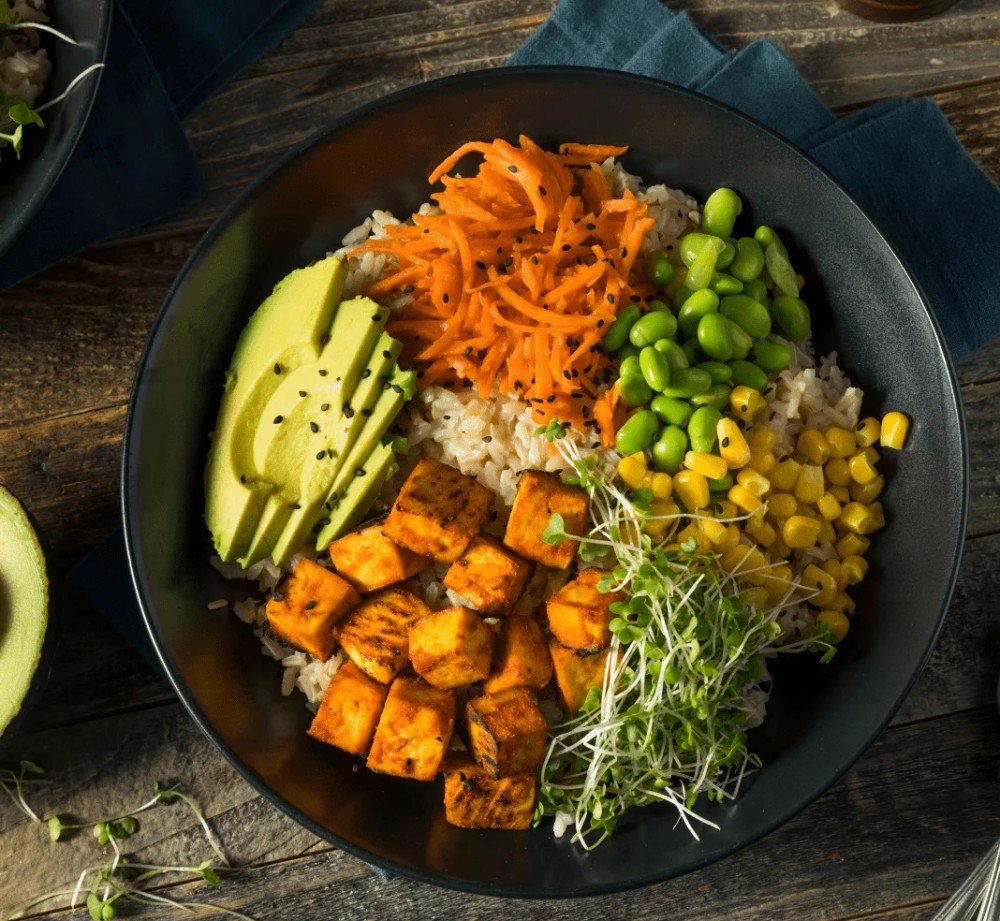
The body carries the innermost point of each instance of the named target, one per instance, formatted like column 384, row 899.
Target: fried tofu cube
column 414, row 730
column 473, row 799
column 451, row 647
column 521, row 658
column 307, row 605
column 489, row 576
column 576, row 673
column 539, row 497
column 438, row 511
column 350, row 710
column 579, row 613
column 375, row 634
column 507, row 732
column 370, row 560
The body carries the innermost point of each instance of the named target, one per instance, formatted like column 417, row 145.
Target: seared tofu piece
column 451, row 647
column 350, row 710
column 579, row 613
column 576, row 673
column 307, row 605
column 414, row 731
column 438, row 511
column 521, row 658
column 375, row 634
column 369, row 560
column 507, row 732
column 473, row 799
column 539, row 497
column 489, row 576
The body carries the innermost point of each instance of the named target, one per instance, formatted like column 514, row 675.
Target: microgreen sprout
column 552, row 431
column 13, row 785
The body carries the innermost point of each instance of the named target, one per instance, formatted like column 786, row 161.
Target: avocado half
column 24, row 606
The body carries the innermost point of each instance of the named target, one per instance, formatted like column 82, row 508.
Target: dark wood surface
column 891, row 840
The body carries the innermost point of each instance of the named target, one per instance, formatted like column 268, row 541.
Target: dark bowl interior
column 820, row 719
column 25, row 183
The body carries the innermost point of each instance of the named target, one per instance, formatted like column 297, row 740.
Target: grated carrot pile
column 515, row 281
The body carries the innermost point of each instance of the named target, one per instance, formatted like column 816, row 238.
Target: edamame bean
column 637, row 432
column 719, row 214
column 756, row 288
column 740, row 340
column 671, row 409
column 690, row 349
column 698, row 305
column 681, row 295
column 702, row 269
column 673, row 353
column 658, row 268
column 792, row 316
column 719, row 371
column 781, row 272
column 658, row 306
column 747, row 374
column 693, row 243
column 629, row 367
column 772, row 356
column 717, row 395
column 655, row 368
column 656, row 325
column 627, row 351
column 767, row 236
column 725, row 284
column 726, row 255
column 713, row 337
column 687, row 382
column 723, row 484
column 701, row 428
column 634, row 390
column 746, row 313
column 749, row 259
column 669, row 449
column 617, row 334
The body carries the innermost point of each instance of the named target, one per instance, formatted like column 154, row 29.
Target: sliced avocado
column 360, row 493
column 24, row 604
column 299, row 446
column 288, row 330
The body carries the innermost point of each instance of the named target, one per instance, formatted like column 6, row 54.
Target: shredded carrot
column 512, row 283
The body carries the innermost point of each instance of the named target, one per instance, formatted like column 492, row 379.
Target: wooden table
column 890, row 840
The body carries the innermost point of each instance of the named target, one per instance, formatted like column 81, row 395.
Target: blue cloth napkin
column 134, row 165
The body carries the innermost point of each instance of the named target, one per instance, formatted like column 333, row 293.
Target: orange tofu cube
column 579, row 613
column 414, row 730
column 307, row 605
column 451, row 647
column 350, row 710
column 473, row 799
column 489, row 576
column 507, row 732
column 539, row 497
column 369, row 560
column 576, row 673
column 375, row 634
column 438, row 511
column 521, row 658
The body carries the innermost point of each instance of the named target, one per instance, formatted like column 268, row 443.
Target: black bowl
column 821, row 718
column 25, row 183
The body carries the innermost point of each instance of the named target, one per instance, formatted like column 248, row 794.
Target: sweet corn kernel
column 866, row 493
column 842, row 442
column 709, row 465
column 871, row 452
column 857, row 518
column 693, row 531
column 756, row 597
column 782, row 505
column 656, row 527
column 828, row 506
column 895, row 427
column 714, row 530
column 820, row 583
column 854, row 569
column 647, row 481
column 691, row 488
column 761, row 531
column 879, row 515
column 836, row 623
column 810, row 485
column 852, row 545
column 834, row 568
column 837, row 471
column 762, row 462
column 662, row 484
column 813, row 445
column 660, row 520
column 760, row 438
column 785, row 474
column 868, row 431
column 747, row 561
column 732, row 445
column 841, row 493
column 862, row 469
column 743, row 499
column 827, row 534
column 800, row 533
column 750, row 479
column 843, row 602
column 731, row 539
column 725, row 509
column 746, row 402
column 632, row 469
column 779, row 550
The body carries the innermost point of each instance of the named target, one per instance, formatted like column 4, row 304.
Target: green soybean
column 701, row 428
column 627, row 351
column 634, row 390
column 747, row 374
column 655, row 368
column 629, row 367
column 702, row 269
column 781, row 271
column 719, row 214
column 725, row 284
column 681, row 295
column 693, row 243
column 767, row 236
column 719, row 371
column 637, row 433
column 658, row 268
column 722, row 484
column 669, row 449
column 792, row 316
column 740, row 339
column 726, row 255
column 698, row 305
column 690, row 349
column 671, row 409
column 746, row 313
column 756, row 289
column 617, row 334
column 713, row 337
column 688, row 382
column 772, row 356
column 717, row 395
column 656, row 325
column 673, row 353
column 749, row 259
column 658, row 306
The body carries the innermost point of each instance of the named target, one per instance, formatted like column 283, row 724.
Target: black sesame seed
column 566, row 247
column 487, row 438
column 311, row 604
column 302, row 393
column 334, row 496
column 624, row 252
column 493, row 515
column 499, row 250
column 724, row 442
column 397, row 388
column 323, row 372
column 376, row 317
column 243, row 478
column 360, row 471
column 445, row 298
column 278, row 596
column 534, row 260
column 480, row 264
column 600, row 323
column 744, row 408
column 566, row 374
column 324, row 521
column 294, row 506
column 542, row 190
column 324, row 407
column 408, row 289
column 278, row 420
column 320, row 455
column 387, row 354
column 348, row 411
column 313, row 427
column 366, row 413
column 551, row 398
column 446, row 418
column 467, row 351
column 611, row 298
column 512, row 169
column 635, row 298
column 277, row 369
column 591, row 226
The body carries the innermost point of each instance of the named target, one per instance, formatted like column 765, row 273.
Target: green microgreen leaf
column 555, row 532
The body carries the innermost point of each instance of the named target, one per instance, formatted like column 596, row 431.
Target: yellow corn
column 836, row 622
column 762, row 462
column 755, row 482
column 822, row 583
column 731, row 539
column 878, row 514
column 762, row 439
column 810, row 485
column 659, row 523
column 841, row 493
column 709, row 465
column 732, row 445
column 837, row 471
column 785, row 474
column 746, row 402
column 868, row 431
column 834, row 568
column 828, row 506
column 895, row 427
column 693, row 531
column 843, row 602
column 761, row 531
column 743, row 499
column 857, row 518
column 862, row 469
column 867, row 493
column 691, row 488
column 842, row 442
column 748, row 561
column 756, row 597
column 725, row 509
column 854, row 569
column 779, row 550
column 632, row 469
column 714, row 530
column 662, row 485
column 782, row 505
column 827, row 535
column 776, row 581
column 852, row 545
column 799, row 532
column 813, row 445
